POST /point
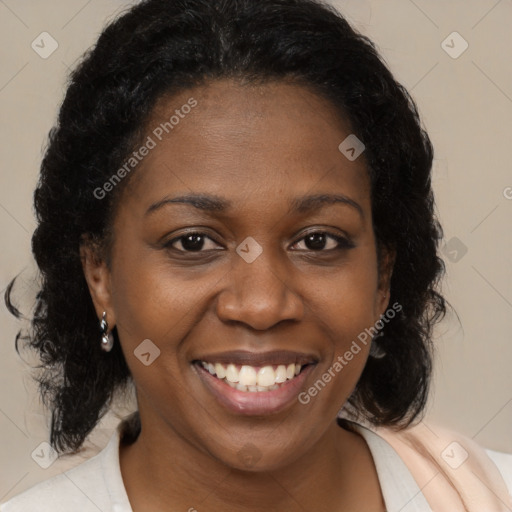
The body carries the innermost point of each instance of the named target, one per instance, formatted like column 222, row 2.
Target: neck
column 162, row 471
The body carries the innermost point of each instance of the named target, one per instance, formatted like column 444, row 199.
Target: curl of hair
column 160, row 47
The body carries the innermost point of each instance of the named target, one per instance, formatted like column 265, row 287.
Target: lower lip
column 254, row 402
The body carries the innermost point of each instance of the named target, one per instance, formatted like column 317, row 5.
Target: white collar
column 399, row 489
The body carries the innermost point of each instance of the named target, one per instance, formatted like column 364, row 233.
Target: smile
column 252, row 379
column 254, row 383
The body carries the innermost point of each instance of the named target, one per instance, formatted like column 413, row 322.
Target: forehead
column 262, row 142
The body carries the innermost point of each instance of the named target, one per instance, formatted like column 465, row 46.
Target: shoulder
column 93, row 485
column 456, row 459
column 79, row 488
column 83, row 488
column 503, row 462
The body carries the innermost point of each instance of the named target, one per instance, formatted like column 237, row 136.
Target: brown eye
column 322, row 241
column 191, row 242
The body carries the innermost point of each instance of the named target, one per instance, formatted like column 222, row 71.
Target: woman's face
column 282, row 271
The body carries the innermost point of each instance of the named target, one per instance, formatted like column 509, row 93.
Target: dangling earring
column 107, row 338
column 376, row 351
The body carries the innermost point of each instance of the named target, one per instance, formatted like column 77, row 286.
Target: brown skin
column 259, row 147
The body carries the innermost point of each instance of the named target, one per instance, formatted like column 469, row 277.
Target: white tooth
column 247, row 376
column 253, row 388
column 220, row 370
column 261, row 388
column 297, row 369
column 232, row 384
column 266, row 376
column 271, row 388
column 241, row 387
column 280, row 373
column 204, row 365
column 232, row 373
column 211, row 368
column 290, row 371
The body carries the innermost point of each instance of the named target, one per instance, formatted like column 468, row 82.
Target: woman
column 235, row 214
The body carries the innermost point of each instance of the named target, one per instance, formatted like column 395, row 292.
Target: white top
column 97, row 485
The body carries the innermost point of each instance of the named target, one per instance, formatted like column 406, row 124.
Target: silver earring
column 376, row 351
column 107, row 338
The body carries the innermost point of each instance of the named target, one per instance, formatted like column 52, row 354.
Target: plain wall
column 466, row 105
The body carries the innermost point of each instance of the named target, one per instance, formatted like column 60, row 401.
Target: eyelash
column 343, row 243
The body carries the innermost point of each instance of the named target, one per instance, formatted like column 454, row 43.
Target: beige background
column 466, row 103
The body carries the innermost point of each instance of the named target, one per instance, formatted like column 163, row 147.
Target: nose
column 259, row 294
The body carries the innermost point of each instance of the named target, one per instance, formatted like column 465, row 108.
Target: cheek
column 346, row 299
column 345, row 354
column 153, row 312
column 345, row 305
column 151, row 300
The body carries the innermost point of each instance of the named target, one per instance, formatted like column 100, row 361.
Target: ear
column 98, row 277
column 386, row 257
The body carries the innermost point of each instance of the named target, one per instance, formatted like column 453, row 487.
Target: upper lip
column 245, row 357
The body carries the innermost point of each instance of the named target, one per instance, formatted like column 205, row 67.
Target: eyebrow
column 212, row 203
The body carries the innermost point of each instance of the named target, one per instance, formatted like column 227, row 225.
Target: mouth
column 253, row 379
column 251, row 383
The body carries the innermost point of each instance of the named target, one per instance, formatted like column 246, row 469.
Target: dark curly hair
column 160, row 47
